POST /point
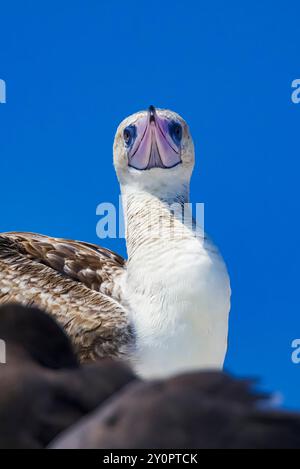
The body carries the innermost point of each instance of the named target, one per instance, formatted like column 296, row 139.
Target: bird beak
column 154, row 146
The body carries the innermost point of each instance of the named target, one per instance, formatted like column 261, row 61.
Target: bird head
column 153, row 150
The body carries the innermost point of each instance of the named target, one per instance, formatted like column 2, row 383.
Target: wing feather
column 97, row 268
column 73, row 282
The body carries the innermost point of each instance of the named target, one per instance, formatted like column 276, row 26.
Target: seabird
column 200, row 410
column 165, row 309
column 43, row 389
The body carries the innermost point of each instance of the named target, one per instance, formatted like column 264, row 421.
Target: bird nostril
column 151, row 111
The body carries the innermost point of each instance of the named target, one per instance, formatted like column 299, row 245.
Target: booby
column 165, row 309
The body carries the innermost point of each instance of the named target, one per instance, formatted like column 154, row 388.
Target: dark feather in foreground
column 44, row 393
column 199, row 410
column 43, row 390
column 37, row 336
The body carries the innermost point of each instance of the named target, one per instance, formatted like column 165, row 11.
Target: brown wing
column 95, row 267
column 61, row 277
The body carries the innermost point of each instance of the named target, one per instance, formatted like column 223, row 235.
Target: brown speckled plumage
column 73, row 281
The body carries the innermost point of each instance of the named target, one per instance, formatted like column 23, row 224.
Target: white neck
column 171, row 287
column 154, row 224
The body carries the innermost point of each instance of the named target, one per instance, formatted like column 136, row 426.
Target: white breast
column 179, row 306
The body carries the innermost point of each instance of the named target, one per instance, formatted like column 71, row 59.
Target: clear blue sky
column 75, row 68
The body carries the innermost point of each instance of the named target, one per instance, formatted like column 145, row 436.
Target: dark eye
column 176, row 132
column 129, row 135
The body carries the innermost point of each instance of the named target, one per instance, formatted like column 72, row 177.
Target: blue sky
column 74, row 69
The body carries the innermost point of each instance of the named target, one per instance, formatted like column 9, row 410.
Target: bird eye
column 129, row 135
column 176, row 132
